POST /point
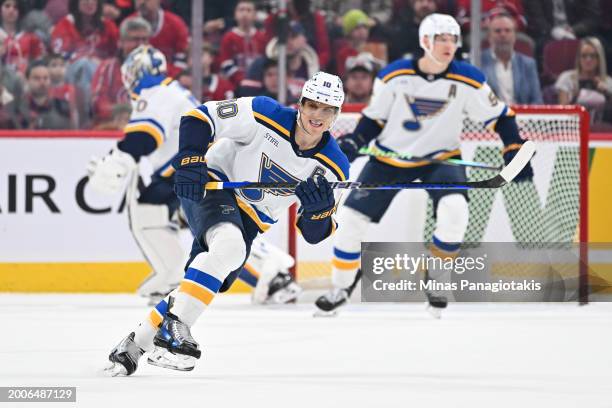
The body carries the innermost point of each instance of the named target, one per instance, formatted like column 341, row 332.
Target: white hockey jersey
column 253, row 140
column 157, row 112
column 423, row 114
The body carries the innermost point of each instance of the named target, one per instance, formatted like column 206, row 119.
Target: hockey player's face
column 316, row 117
column 444, row 48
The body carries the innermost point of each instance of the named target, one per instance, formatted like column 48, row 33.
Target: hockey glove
column 190, row 177
column 349, row 147
column 317, row 198
column 509, row 152
column 108, row 174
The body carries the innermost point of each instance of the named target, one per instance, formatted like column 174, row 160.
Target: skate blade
column 115, row 370
column 435, row 312
column 161, row 357
column 323, row 313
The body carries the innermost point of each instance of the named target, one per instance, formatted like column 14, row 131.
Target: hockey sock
column 249, row 275
column 196, row 291
column 345, row 265
column 145, row 332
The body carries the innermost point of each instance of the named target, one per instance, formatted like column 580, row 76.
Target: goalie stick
column 374, row 152
column 506, row 175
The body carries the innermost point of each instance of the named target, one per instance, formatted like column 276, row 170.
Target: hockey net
column 551, row 209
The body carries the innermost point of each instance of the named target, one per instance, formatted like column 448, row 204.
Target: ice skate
column 124, row 357
column 435, row 301
column 329, row 303
column 174, row 336
column 161, row 357
column 282, row 289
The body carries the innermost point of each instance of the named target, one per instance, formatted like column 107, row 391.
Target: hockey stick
column 506, row 175
column 374, row 152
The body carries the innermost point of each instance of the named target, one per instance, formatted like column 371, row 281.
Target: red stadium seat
column 559, row 56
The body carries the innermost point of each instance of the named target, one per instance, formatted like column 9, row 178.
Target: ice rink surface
column 371, row 355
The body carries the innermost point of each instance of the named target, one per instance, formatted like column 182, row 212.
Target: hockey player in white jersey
column 152, row 132
column 247, row 139
column 417, row 108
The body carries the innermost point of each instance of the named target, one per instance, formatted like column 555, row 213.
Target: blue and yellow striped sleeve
column 142, row 137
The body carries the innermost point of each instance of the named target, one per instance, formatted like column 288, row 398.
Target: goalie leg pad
column 353, row 226
column 160, row 243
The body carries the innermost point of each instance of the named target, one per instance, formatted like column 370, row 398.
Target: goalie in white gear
column 154, row 213
column 417, row 108
column 255, row 139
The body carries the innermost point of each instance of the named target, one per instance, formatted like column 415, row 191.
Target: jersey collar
column 430, row 77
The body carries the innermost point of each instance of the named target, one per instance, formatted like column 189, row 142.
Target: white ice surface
column 374, row 355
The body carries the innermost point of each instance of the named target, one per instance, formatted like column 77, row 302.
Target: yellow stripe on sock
column 345, row 264
column 197, row 291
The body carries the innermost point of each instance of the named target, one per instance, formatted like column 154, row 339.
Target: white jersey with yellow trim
column 157, row 111
column 253, row 140
column 422, row 114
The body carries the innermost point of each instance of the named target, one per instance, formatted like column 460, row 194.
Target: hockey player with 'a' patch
column 154, row 214
column 417, row 109
column 252, row 140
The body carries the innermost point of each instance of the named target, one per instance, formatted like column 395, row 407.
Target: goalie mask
column 324, row 88
column 436, row 24
column 142, row 61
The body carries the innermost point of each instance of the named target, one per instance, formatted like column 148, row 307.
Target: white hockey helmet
column 143, row 60
column 435, row 24
column 325, row 88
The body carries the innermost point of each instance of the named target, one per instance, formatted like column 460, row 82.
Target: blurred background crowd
column 60, row 59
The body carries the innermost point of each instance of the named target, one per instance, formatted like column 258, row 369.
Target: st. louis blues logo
column 270, row 172
column 422, row 108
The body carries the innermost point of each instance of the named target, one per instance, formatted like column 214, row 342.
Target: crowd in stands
column 60, row 59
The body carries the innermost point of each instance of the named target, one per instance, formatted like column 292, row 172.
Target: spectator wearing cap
column 512, row 76
column 241, row 45
column 356, row 27
column 315, row 28
column 107, row 87
column 302, row 63
column 42, row 110
column 404, row 33
column 170, row 34
column 21, row 46
column 359, row 79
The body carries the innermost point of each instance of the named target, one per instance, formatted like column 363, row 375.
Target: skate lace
column 180, row 332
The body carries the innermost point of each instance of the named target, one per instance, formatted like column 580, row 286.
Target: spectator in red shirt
column 214, row 86
column 84, row 32
column 314, row 28
column 356, row 27
column 84, row 37
column 20, row 46
column 170, row 33
column 60, row 89
column 106, row 87
column 241, row 45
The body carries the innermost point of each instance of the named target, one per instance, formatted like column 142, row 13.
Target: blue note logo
column 422, row 108
column 270, row 172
